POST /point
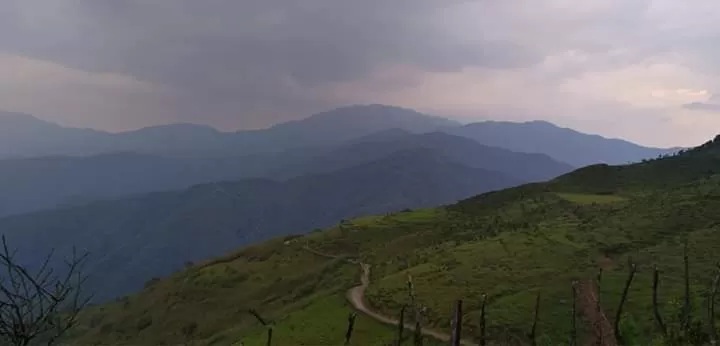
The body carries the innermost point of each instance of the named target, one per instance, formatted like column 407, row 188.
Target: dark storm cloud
column 251, row 51
column 120, row 64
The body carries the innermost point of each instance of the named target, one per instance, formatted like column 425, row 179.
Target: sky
column 643, row 70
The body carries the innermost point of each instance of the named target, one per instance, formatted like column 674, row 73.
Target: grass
column 301, row 293
column 510, row 245
column 325, row 323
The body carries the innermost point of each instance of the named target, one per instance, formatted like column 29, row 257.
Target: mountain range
column 42, row 183
column 86, row 165
column 23, row 136
column 563, row 144
column 519, row 257
column 134, row 239
column 145, row 202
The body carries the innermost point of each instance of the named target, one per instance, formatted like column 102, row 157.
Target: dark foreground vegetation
column 39, row 305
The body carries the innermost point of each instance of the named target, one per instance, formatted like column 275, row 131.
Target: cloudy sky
column 644, row 70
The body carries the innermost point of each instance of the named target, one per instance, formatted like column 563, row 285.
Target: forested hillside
column 511, row 245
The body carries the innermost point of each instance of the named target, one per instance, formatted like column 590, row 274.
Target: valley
column 510, row 245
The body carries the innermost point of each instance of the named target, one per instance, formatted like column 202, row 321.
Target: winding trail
column 356, row 297
column 595, row 316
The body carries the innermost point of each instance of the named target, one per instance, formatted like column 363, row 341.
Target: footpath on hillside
column 594, row 314
column 356, row 297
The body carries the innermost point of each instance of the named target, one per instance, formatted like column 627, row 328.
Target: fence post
column 573, row 325
column 711, row 308
column 533, row 338
column 687, row 305
column 656, row 308
column 264, row 323
column 598, row 310
column 457, row 325
column 351, row 326
column 483, row 338
column 632, row 268
column 401, row 326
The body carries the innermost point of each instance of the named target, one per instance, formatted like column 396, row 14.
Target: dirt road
column 356, row 297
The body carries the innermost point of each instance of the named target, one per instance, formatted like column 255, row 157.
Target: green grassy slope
column 509, row 244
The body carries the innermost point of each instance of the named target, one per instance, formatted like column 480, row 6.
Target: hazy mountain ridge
column 40, row 183
column 22, row 135
column 563, row 144
column 137, row 238
column 25, row 136
column 460, row 149
column 327, row 141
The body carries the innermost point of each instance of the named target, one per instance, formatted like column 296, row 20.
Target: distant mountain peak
column 181, row 127
column 15, row 118
column 372, row 106
column 543, row 123
column 377, row 111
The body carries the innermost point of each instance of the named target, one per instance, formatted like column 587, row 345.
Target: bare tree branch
column 40, row 305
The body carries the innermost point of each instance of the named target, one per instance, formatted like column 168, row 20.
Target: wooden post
column 418, row 337
column 711, row 307
column 401, row 326
column 626, row 290
column 483, row 338
column 573, row 324
column 656, row 308
column 457, row 325
column 687, row 305
column 264, row 323
column 533, row 338
column 351, row 326
column 598, row 310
